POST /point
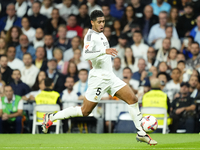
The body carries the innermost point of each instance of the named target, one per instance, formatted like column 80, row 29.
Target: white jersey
column 95, row 45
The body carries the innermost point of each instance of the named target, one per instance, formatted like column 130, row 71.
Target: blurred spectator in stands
column 69, row 53
column 31, row 95
column 62, row 41
column 58, row 55
column 159, row 6
column 111, row 38
column 27, row 29
column 29, row 71
column 182, row 109
column 120, row 47
column 173, row 16
column 171, row 60
column 148, row 20
column 66, row 8
column 117, row 10
column 49, row 45
column 195, row 60
column 195, row 32
column 92, row 6
column 134, row 84
column 53, row 96
column 13, row 63
column 160, row 28
column 180, row 56
column 12, row 36
column 129, row 20
column 2, row 85
column 175, row 42
column 141, row 67
column 138, row 8
column 194, row 81
column 17, row 85
column 181, row 4
column 116, row 28
column 3, row 34
column 21, row 8
column 129, row 60
column 139, row 48
column 185, row 73
column 83, row 19
column 151, row 58
column 81, row 64
column 109, row 20
column 40, row 62
column 156, row 98
column 81, row 86
column 72, row 71
column 47, row 8
column 117, row 68
column 11, row 19
column 24, row 47
column 69, row 94
column 164, row 78
column 11, row 108
column 72, row 28
column 2, row 46
column 173, row 86
column 187, row 21
column 186, row 46
column 39, row 38
column 4, row 4
column 52, row 24
column 57, row 77
column 162, row 67
column 6, row 71
column 85, row 30
column 40, row 77
column 163, row 51
column 37, row 20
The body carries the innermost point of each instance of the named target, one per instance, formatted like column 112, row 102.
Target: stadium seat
column 39, row 111
column 156, row 110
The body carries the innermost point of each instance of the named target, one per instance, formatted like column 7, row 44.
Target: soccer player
column 101, row 80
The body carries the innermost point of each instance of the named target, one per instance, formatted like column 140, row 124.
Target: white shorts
column 97, row 87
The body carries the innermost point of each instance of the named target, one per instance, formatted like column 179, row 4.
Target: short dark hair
column 38, row 3
column 138, row 31
column 176, row 69
column 128, row 69
column 48, row 82
column 3, row 56
column 165, row 74
column 105, row 5
column 16, row 70
column 195, row 43
column 27, row 54
column 83, row 70
column 72, row 15
column 82, row 5
column 181, row 61
column 95, row 14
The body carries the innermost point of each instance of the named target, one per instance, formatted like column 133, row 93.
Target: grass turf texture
column 96, row 141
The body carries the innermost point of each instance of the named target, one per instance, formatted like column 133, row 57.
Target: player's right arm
column 91, row 50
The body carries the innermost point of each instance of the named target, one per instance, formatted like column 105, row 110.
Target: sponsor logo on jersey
column 86, row 46
column 101, row 38
column 87, row 51
column 105, row 43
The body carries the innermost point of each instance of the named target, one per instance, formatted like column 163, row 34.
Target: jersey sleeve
column 90, row 49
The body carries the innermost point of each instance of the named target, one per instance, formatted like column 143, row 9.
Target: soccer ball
column 149, row 123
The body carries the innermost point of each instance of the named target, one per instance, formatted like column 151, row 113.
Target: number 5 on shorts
column 98, row 91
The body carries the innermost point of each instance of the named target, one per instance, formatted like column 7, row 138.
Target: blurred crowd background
column 155, row 39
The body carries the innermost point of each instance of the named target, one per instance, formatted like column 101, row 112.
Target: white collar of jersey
column 92, row 31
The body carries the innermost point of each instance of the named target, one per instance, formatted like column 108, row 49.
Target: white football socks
column 137, row 117
column 67, row 113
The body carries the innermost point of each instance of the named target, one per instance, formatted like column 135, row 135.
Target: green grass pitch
column 96, row 141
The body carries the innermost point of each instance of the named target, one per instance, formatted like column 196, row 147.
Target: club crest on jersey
column 86, row 46
column 96, row 97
